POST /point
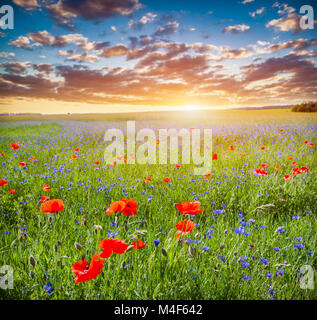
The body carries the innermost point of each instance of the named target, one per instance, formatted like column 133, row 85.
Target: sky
column 83, row 56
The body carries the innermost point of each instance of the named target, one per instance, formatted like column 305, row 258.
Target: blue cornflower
column 48, row 288
column 265, row 261
column 246, row 278
column 269, row 275
column 156, row 242
column 299, row 246
column 205, row 248
column 276, row 249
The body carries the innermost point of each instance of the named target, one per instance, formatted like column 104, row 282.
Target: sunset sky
column 136, row 55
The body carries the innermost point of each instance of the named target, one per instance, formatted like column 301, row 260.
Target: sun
column 189, row 107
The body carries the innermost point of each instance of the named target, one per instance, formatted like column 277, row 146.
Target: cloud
column 65, row 10
column 15, row 67
column 239, row 28
column 169, row 28
column 115, row 51
column 21, row 42
column 247, row 1
column 71, row 55
column 27, row 4
column 257, row 12
column 289, row 20
column 4, row 54
column 139, row 24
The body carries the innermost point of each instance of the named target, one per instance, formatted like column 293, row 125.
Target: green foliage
column 305, row 107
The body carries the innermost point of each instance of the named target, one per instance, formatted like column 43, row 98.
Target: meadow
column 257, row 230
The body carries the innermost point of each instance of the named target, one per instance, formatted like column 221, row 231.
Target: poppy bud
column 32, row 261
column 235, row 253
column 85, row 223
column 226, row 231
column 130, row 247
column 222, row 246
column 59, row 243
column 125, row 227
column 50, row 219
column 192, row 251
column 78, row 246
column 21, row 238
column 164, row 252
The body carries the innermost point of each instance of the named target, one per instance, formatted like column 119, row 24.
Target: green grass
column 51, row 238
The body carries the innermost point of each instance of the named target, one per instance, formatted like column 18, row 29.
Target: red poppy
column 85, row 271
column 1, row 154
column 281, row 130
column 262, row 148
column 114, row 162
column 264, row 165
column 277, row 167
column 312, row 144
column 22, row 164
column 12, row 191
column 231, row 148
column 189, row 207
column 127, row 207
column 306, row 141
column 177, row 166
column 287, row 177
column 3, row 182
column 167, row 180
column 294, row 163
column 110, row 246
column 97, row 162
column 207, row 175
column 52, row 206
column 46, row 187
column 260, row 172
column 304, row 169
column 214, row 156
column 147, row 179
column 32, row 159
column 77, row 149
column 74, row 156
column 184, row 228
column 138, row 244
column 296, row 171
column 157, row 142
column 44, row 198
column 15, row 146
column 290, row 158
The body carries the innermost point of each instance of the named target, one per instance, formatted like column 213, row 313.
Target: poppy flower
column 46, row 187
column 184, row 228
column 189, row 207
column 44, row 198
column 287, row 177
column 97, row 162
column 74, row 156
column 138, row 244
column 32, row 159
column 85, row 271
column 304, row 169
column 3, row 182
column 290, row 158
column 231, row 148
column 296, row 171
column 1, row 154
column 177, row 166
column 114, row 162
column 22, row 164
column 214, row 156
column 147, row 179
column 312, row 144
column 207, row 148
column 15, row 146
column 306, row 141
column 207, row 175
column 52, row 206
column 12, row 191
column 260, row 172
column 294, row 163
column 110, row 246
column 167, row 180
column 157, row 142
column 77, row 149
column 281, row 130
column 277, row 167
column 262, row 148
column 127, row 207
column 264, row 165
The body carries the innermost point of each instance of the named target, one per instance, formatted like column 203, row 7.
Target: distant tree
column 310, row 106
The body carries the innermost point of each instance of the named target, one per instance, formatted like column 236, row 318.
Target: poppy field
column 75, row 227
